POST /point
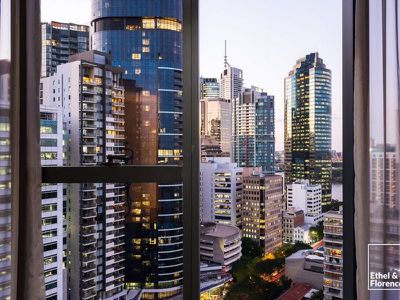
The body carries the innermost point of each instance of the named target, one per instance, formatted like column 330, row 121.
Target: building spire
column 225, row 58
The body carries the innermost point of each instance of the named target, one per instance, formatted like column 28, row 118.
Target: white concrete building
column 302, row 233
column 307, row 197
column 51, row 153
column 220, row 191
column 220, row 244
column 88, row 91
column 306, row 266
column 231, row 81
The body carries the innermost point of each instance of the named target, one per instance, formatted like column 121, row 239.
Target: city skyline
column 278, row 49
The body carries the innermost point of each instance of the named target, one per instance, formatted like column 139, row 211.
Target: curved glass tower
column 308, row 124
column 145, row 38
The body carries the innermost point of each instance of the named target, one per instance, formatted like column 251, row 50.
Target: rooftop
column 218, row 230
column 296, row 292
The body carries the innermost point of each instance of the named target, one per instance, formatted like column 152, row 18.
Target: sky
column 264, row 39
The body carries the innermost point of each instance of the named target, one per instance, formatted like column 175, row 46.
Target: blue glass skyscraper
column 253, row 128
column 308, row 124
column 145, row 38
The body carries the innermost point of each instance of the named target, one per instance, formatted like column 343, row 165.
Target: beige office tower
column 216, row 122
column 383, row 186
column 262, row 208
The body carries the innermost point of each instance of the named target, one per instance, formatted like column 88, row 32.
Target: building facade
column 51, row 152
column 292, row 217
column 307, row 197
column 59, row 41
column 306, row 266
column 216, row 122
column 262, row 206
column 220, row 244
column 231, row 81
column 383, row 186
column 253, row 130
column 209, row 88
column 145, row 39
column 92, row 100
column 308, row 124
column 5, row 181
column 221, row 192
column 333, row 263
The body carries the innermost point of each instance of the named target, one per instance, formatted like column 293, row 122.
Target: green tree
column 319, row 231
column 250, row 249
column 318, row 295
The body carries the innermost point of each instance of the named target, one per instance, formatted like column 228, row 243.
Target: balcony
column 89, row 268
column 88, row 187
column 89, row 240
column 88, row 214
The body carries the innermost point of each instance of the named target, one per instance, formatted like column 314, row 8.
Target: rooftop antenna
column 225, row 58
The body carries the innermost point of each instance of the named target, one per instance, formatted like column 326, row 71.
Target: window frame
column 349, row 253
column 189, row 172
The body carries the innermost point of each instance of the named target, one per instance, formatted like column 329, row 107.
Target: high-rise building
column 51, row 152
column 5, row 181
column 262, row 207
column 253, row 130
column 209, row 88
column 308, row 119
column 211, row 148
column 92, row 100
column 59, row 41
column 333, row 263
column 145, row 38
column 216, row 121
column 292, row 217
column 220, row 191
column 307, row 197
column 231, row 81
column 383, row 165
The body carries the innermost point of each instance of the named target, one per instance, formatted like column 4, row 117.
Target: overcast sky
column 264, row 37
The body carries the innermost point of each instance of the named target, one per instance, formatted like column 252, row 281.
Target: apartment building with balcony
column 92, row 100
column 51, row 154
column 333, row 263
column 5, row 181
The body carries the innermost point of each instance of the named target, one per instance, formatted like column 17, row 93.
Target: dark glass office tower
column 145, row 38
column 59, row 41
column 308, row 124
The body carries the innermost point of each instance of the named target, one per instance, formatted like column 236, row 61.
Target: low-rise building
column 302, row 233
column 220, row 244
column 292, row 218
column 306, row 266
column 308, row 197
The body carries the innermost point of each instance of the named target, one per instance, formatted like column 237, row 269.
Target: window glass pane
column 5, row 156
column 271, row 149
column 120, row 103
column 384, row 215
